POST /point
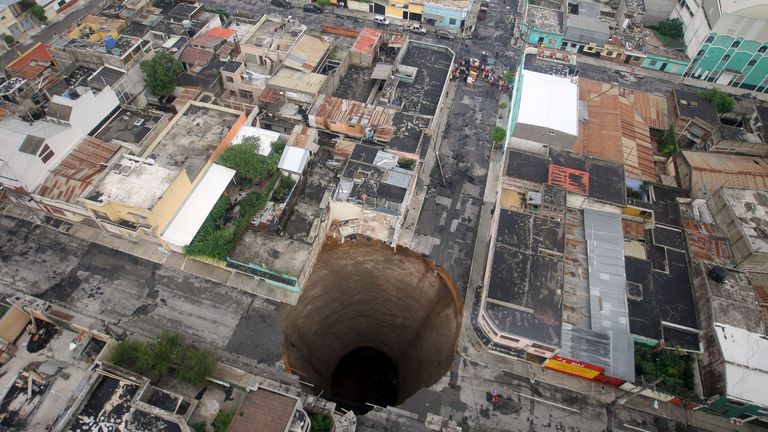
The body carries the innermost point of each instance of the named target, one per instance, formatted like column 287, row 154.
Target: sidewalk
column 155, row 253
column 650, row 73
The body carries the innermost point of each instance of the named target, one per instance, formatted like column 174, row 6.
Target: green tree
column 668, row 142
column 161, row 73
column 222, row 420
column 722, row 101
column 246, row 160
column 406, row 163
column 213, row 244
column 670, row 27
column 9, row 40
column 38, row 12
column 498, row 134
column 320, row 423
column 195, row 366
column 323, row 3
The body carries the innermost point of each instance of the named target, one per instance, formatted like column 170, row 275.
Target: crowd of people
column 482, row 70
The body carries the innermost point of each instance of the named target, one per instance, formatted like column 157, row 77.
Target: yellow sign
column 571, row 369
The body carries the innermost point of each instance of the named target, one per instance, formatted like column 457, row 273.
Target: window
column 736, row 403
column 752, row 62
column 609, row 53
column 735, row 44
column 652, row 63
column 762, row 49
column 700, row 53
column 710, row 39
column 634, row 291
column 229, row 79
column 726, row 57
column 45, row 154
column 452, row 21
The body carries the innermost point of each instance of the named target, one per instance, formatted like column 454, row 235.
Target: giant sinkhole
column 373, row 326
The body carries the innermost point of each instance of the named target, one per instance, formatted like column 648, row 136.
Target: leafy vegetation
column 222, row 420
column 9, row 40
column 673, row 368
column 498, row 134
column 198, row 426
column 509, row 76
column 283, row 186
column 38, row 12
column 722, row 101
column 323, row 3
column 165, row 355
column 244, row 158
column 320, row 423
column 669, row 32
column 406, row 163
column 671, row 27
column 161, row 73
column 503, row 106
column 214, row 239
column 223, row 15
column 668, row 142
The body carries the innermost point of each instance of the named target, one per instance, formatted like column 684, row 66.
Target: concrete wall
column 452, row 18
column 695, row 25
column 658, row 10
column 731, row 60
column 664, row 64
column 743, row 254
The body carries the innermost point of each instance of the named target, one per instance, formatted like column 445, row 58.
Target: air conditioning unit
column 139, row 122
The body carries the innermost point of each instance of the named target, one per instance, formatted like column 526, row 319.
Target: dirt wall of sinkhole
column 361, row 293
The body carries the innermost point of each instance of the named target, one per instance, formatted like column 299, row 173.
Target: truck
column 483, row 11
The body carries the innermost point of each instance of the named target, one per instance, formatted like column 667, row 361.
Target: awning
column 192, row 214
column 12, row 324
column 294, row 159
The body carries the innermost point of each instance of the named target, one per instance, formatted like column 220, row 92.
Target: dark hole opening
column 365, row 376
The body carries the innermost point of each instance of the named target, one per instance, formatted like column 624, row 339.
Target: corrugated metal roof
column 607, row 287
column 710, row 171
column 307, row 54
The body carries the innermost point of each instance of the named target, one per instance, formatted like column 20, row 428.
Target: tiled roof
column 32, row 62
column 196, row 56
column 77, row 171
column 264, row 411
column 221, row 32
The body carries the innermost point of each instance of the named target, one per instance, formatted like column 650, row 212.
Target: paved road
column 52, row 29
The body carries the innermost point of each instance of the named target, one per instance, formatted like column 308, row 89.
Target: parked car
column 280, row 3
column 418, row 28
column 380, row 20
column 444, row 34
column 313, row 8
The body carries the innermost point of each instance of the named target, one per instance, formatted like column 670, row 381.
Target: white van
column 380, row 20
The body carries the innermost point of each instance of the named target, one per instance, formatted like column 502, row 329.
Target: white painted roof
column 294, row 159
column 192, row 214
column 266, row 137
column 549, row 101
column 746, row 363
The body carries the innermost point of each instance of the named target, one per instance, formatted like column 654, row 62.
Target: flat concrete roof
column 129, row 126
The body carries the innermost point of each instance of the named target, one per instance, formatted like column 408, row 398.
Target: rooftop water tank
column 109, row 42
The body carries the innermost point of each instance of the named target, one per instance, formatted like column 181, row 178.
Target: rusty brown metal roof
column 76, row 172
column 714, row 170
column 706, row 243
column 196, row 56
column 264, row 411
column 615, row 130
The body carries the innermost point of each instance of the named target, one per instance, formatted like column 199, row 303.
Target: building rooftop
column 188, row 142
column 373, row 178
column 706, row 243
column 367, row 41
column 692, row 105
column 32, row 62
column 294, row 80
column 750, row 208
column 329, row 109
column 605, row 179
column 549, row 101
column 546, row 19
column 734, row 302
column 76, row 172
column 265, row 411
column 128, row 126
column 423, row 94
column 524, row 290
column 661, row 305
column 746, row 363
column 274, row 34
column 615, row 130
column 635, row 5
column 307, row 54
column 714, row 170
